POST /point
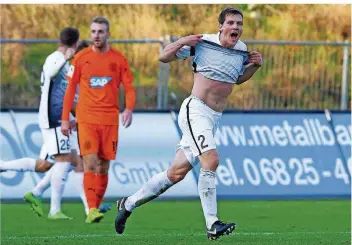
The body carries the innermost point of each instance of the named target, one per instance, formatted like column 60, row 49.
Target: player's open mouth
column 234, row 35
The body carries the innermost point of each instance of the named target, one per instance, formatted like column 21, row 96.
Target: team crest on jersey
column 87, row 145
column 99, row 82
column 113, row 67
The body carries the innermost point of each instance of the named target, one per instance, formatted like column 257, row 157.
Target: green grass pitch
column 182, row 223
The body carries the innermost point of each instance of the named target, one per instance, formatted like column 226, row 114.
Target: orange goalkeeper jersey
column 99, row 77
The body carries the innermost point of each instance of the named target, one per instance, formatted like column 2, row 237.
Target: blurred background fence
column 295, row 75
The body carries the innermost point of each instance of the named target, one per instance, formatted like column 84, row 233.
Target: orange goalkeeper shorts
column 100, row 139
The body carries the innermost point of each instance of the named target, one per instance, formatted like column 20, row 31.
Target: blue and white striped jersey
column 214, row 61
column 53, row 87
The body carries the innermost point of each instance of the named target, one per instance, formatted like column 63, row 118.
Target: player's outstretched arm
column 255, row 62
column 169, row 53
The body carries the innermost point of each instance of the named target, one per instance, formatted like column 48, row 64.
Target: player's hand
column 255, row 58
column 70, row 52
column 191, row 40
column 126, row 118
column 73, row 125
column 65, row 128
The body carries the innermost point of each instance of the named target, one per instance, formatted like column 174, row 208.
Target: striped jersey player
column 219, row 62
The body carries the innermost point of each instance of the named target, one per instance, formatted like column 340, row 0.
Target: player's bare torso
column 212, row 92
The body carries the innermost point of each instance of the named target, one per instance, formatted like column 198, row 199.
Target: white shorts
column 50, row 158
column 198, row 124
column 74, row 142
column 55, row 142
column 44, row 155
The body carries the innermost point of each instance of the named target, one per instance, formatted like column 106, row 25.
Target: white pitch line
column 175, row 234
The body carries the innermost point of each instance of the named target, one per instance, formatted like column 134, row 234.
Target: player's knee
column 214, row 163
column 210, row 160
column 90, row 162
column 46, row 166
column 89, row 168
column 103, row 166
column 42, row 166
column 102, row 169
column 176, row 176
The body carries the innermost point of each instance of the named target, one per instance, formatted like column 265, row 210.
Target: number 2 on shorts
column 201, row 138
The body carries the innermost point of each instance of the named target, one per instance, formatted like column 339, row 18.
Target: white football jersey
column 216, row 62
column 53, row 88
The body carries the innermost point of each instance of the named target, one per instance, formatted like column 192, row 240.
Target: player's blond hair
column 101, row 20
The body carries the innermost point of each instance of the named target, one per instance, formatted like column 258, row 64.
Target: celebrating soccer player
column 219, row 62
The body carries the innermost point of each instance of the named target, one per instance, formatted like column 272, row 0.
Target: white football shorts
column 198, row 124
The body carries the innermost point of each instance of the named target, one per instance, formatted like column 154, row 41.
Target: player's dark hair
column 69, row 36
column 82, row 45
column 228, row 11
column 101, row 20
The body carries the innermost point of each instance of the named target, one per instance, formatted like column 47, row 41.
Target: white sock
column 43, row 184
column 207, row 194
column 58, row 181
column 20, row 165
column 78, row 178
column 154, row 187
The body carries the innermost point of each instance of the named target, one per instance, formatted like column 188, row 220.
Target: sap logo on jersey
column 99, row 82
